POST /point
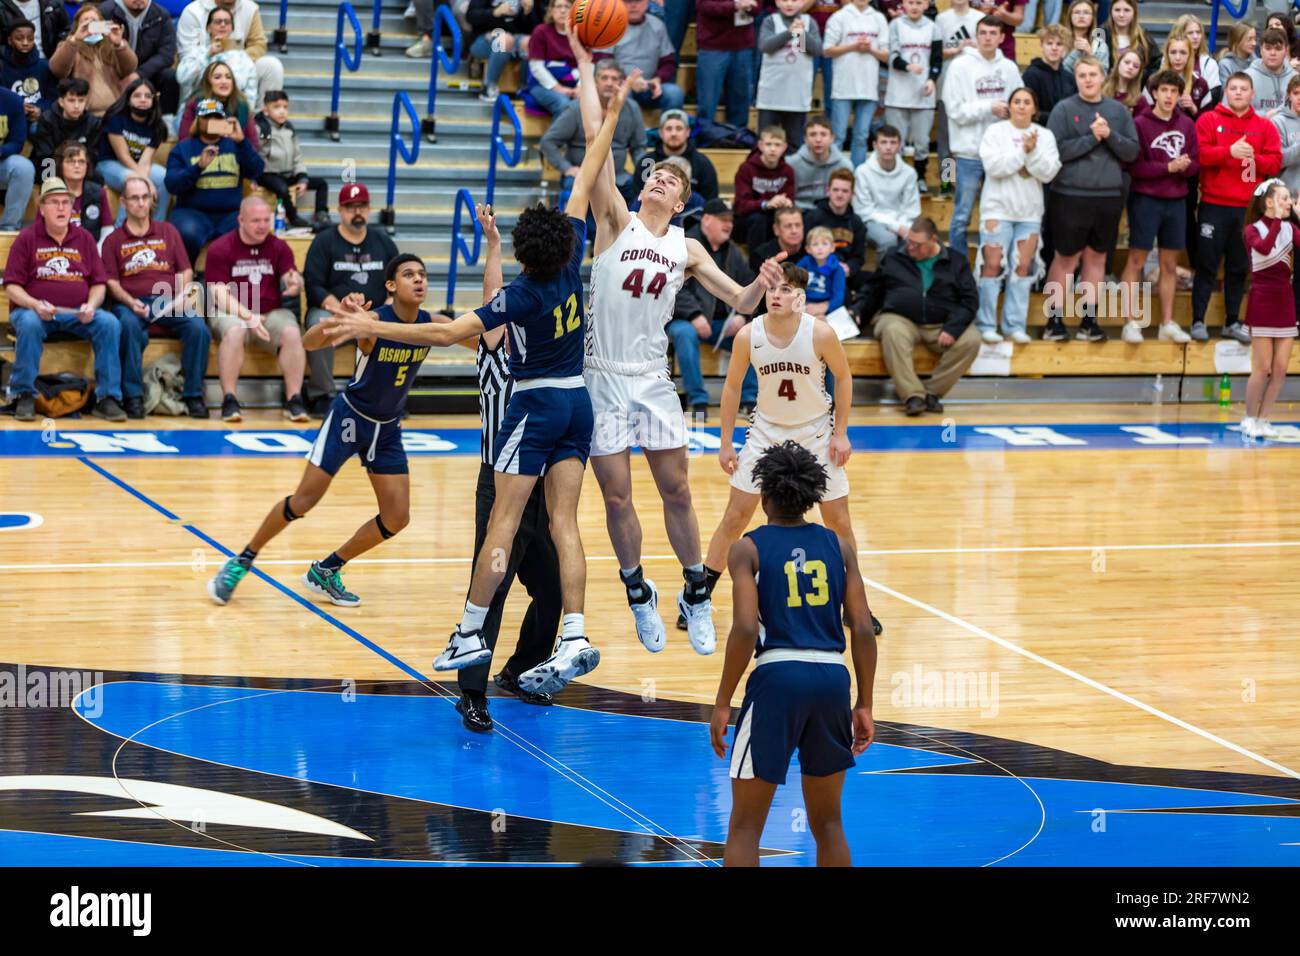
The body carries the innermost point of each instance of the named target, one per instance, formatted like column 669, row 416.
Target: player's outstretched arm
column 597, row 153
column 700, row 265
column 742, row 561
column 731, row 398
column 862, row 647
column 830, row 350
column 493, row 278
column 343, row 326
column 607, row 205
column 317, row 336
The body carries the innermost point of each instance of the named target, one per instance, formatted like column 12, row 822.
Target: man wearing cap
column 149, row 278
column 701, row 318
column 55, row 282
column 344, row 261
column 249, row 274
column 675, row 141
column 206, row 174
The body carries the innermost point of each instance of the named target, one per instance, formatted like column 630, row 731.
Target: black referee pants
column 534, row 560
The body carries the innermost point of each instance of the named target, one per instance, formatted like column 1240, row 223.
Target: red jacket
column 1226, row 180
column 756, row 183
column 715, row 27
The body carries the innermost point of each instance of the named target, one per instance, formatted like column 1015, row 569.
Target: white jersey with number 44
column 791, row 380
column 634, row 285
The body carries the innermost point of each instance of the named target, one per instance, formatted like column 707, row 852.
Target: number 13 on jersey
column 567, row 323
column 821, row 591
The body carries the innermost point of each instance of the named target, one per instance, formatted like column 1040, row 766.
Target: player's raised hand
column 630, row 82
column 727, row 458
column 840, row 450
column 487, row 218
column 864, row 729
column 769, row 273
column 718, row 729
column 342, row 326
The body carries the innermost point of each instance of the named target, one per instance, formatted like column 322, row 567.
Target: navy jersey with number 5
column 800, row 588
column 547, row 321
column 383, row 378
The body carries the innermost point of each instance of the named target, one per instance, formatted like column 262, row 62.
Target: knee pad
column 383, row 532
column 288, row 512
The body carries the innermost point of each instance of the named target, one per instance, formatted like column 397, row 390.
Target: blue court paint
column 19, row 520
column 23, row 443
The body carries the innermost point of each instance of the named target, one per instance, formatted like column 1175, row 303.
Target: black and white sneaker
column 574, row 657
column 1055, row 330
column 295, row 410
column 463, row 650
column 1090, row 331
column 230, row 409
column 509, row 683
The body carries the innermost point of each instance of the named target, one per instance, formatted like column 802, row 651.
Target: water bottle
column 1225, row 391
column 279, row 218
column 1158, row 390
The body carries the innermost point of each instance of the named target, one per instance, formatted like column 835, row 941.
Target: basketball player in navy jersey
column 363, row 420
column 791, row 583
column 548, row 423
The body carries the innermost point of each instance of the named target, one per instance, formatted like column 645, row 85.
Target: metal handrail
column 373, row 37
column 340, row 58
column 510, row 158
column 397, row 146
column 1237, row 13
column 458, row 245
column 442, row 18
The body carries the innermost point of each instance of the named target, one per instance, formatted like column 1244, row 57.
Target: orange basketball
column 599, row 23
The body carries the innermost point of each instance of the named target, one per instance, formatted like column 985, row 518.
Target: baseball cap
column 716, row 207
column 667, row 115
column 209, row 108
column 53, row 186
column 354, row 194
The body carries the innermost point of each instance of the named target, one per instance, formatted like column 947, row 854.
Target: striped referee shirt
column 494, row 388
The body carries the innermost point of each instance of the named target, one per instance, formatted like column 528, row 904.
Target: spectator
column 565, row 143
column 1270, row 73
column 1095, row 137
column 1123, row 32
column 68, row 119
column 1086, row 38
column 151, row 34
column 915, row 59
column 216, row 45
column 975, row 97
column 1189, row 28
column 55, row 283
column 285, row 171
column 501, row 29
column 724, row 61
column 924, row 294
column 206, row 174
column 1044, row 74
column 1124, row 85
column 645, row 46
column 764, row 184
column 248, row 273
column 698, row 316
column 677, row 14
column 885, row 193
column 788, row 40
column 1157, row 204
column 675, row 140
column 1287, row 121
column 788, row 229
column 552, row 81
column 249, row 33
column 957, row 26
column 1196, row 95
column 103, row 59
column 149, row 280
column 48, row 17
column 17, row 174
column 347, row 260
column 857, row 41
column 218, row 83
column 821, row 11
column 1238, row 148
column 835, row 212
column 826, row 282
column 1239, row 52
column 1009, row 13
column 813, row 164
column 25, row 72
column 89, row 200
column 1018, row 156
column 133, row 131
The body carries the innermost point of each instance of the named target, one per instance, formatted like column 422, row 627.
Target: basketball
column 599, row 23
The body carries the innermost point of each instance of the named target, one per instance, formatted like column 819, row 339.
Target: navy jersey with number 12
column 800, row 588
column 383, row 378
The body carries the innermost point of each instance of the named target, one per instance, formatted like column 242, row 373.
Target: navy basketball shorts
column 543, row 426
column 345, row 433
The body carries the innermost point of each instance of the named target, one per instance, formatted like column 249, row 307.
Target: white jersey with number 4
column 634, row 285
column 791, row 380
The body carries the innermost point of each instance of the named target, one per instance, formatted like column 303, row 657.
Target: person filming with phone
column 97, row 51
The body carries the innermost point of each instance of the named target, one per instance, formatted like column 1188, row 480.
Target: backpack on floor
column 62, row 394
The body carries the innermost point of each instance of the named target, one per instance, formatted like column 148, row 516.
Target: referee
column 532, row 554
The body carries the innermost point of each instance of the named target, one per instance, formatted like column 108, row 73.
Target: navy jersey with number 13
column 800, row 588
column 383, row 378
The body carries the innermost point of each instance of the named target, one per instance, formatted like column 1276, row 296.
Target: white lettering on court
column 1029, row 435
column 98, row 443
column 1153, row 435
column 269, row 442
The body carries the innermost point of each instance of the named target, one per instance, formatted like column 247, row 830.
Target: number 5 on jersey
column 569, row 323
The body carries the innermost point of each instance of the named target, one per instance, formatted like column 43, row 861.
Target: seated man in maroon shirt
column 149, row 278
column 55, row 281
column 248, row 274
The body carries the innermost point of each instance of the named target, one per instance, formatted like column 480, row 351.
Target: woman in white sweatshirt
column 1018, row 157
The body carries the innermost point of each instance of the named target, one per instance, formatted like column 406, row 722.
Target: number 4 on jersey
column 634, row 279
column 786, row 389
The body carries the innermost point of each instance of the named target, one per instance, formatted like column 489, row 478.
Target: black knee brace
column 288, row 512
column 383, row 532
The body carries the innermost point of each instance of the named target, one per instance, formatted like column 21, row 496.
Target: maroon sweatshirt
column 715, row 27
column 756, row 183
column 1160, row 142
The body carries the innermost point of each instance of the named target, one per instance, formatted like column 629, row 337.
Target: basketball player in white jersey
column 641, row 262
column 791, row 352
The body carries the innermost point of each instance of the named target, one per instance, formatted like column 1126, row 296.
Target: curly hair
column 791, row 477
column 543, row 241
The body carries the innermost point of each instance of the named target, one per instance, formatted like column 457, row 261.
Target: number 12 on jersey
column 569, row 323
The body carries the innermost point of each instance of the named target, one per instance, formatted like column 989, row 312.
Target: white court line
column 1028, row 549
column 1075, row 675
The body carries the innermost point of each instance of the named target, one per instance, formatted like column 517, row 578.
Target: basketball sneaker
column 649, row 626
column 574, row 657
column 329, row 584
column 1249, row 429
column 465, row 649
column 699, row 623
column 1264, row 429
column 223, row 584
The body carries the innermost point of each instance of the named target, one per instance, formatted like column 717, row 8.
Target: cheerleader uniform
column 1270, row 306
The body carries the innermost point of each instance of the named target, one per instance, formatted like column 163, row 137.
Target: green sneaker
column 222, row 585
column 329, row 584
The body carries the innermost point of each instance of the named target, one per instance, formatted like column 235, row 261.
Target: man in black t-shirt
column 347, row 259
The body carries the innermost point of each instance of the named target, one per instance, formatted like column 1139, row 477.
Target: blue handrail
column 459, row 247
column 1237, row 13
column 373, row 37
column 397, row 146
column 341, row 57
column 510, row 158
column 442, row 18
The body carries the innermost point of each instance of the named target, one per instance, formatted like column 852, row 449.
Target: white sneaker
column 574, row 657
column 409, row 12
column 463, row 650
column 649, row 625
column 1248, row 429
column 421, row 49
column 699, row 624
column 1172, row 332
column 909, row 151
column 1132, row 333
column 489, row 94
column 1020, row 338
column 1264, row 429
column 991, row 337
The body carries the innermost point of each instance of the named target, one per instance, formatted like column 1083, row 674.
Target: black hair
column 390, row 270
column 992, row 21
column 791, row 477
column 19, row 24
column 796, row 276
column 275, row 96
column 74, row 85
column 543, row 241
column 152, row 119
column 1167, row 78
column 214, row 11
